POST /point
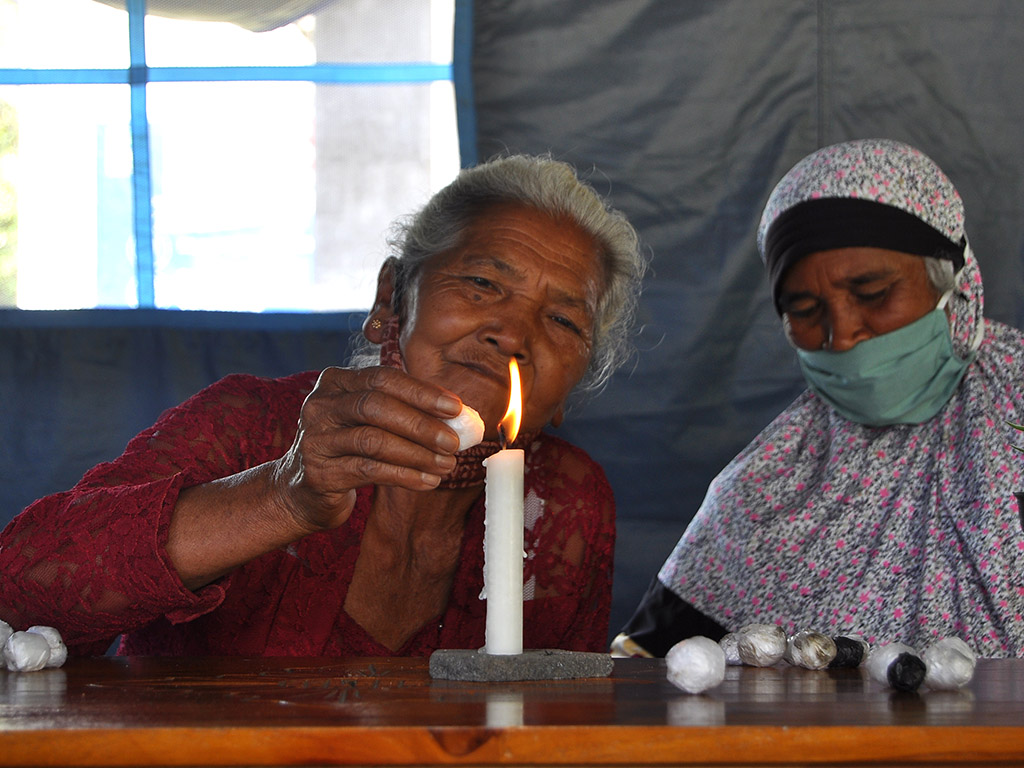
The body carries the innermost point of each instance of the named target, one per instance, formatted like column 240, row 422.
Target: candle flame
column 508, row 427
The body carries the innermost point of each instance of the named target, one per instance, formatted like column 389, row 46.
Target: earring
column 376, row 324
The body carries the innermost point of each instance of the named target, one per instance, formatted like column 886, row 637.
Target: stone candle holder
column 546, row 664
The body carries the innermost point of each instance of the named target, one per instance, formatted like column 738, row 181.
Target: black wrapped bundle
column 850, row 652
column 897, row 665
column 906, row 672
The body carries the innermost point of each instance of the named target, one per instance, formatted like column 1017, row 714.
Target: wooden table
column 141, row 711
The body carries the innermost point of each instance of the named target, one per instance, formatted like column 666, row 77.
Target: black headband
column 844, row 222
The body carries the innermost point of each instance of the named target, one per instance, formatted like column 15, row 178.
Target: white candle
column 503, row 538
column 503, row 552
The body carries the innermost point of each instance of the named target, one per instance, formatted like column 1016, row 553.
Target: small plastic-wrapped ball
column 26, row 652
column 762, row 645
column 695, row 664
column 730, row 645
column 810, row 650
column 897, row 665
column 950, row 664
column 468, row 426
column 58, row 651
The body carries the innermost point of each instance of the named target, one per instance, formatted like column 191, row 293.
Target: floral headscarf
column 880, row 170
column 904, row 533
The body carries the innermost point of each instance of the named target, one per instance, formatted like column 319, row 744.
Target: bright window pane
column 372, row 170
column 265, row 195
column 234, row 194
column 284, row 208
column 62, row 34
column 8, row 199
column 70, row 178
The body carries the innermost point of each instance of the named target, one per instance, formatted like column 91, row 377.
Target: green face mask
column 902, row 377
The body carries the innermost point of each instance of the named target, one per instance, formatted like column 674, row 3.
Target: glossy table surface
column 144, row 711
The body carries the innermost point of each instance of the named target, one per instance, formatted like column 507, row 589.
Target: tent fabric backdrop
column 75, row 386
column 685, row 114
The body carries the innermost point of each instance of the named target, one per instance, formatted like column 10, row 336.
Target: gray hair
column 551, row 187
column 941, row 274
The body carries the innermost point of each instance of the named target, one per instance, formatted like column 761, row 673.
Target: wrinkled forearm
column 218, row 526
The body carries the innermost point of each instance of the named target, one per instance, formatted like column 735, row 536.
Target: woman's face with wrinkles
column 836, row 299
column 519, row 284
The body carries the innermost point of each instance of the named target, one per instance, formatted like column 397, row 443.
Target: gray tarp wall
column 684, row 112
column 688, row 112
column 75, row 386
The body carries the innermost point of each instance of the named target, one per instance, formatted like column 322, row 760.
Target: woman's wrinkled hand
column 364, row 426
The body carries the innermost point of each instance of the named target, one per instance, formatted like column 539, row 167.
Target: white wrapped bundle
column 761, row 645
column 468, row 426
column 58, row 651
column 950, row 664
column 810, row 650
column 695, row 664
column 26, row 652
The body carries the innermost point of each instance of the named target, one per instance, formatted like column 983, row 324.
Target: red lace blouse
column 91, row 561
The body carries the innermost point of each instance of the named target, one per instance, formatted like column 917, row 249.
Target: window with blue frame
column 218, row 155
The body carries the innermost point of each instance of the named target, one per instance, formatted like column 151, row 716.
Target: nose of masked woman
column 871, row 333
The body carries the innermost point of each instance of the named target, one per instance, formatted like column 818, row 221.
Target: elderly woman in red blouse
column 332, row 513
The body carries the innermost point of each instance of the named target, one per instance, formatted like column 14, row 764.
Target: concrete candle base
column 478, row 666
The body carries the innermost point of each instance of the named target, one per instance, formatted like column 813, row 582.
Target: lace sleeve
column 570, row 545
column 91, row 561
